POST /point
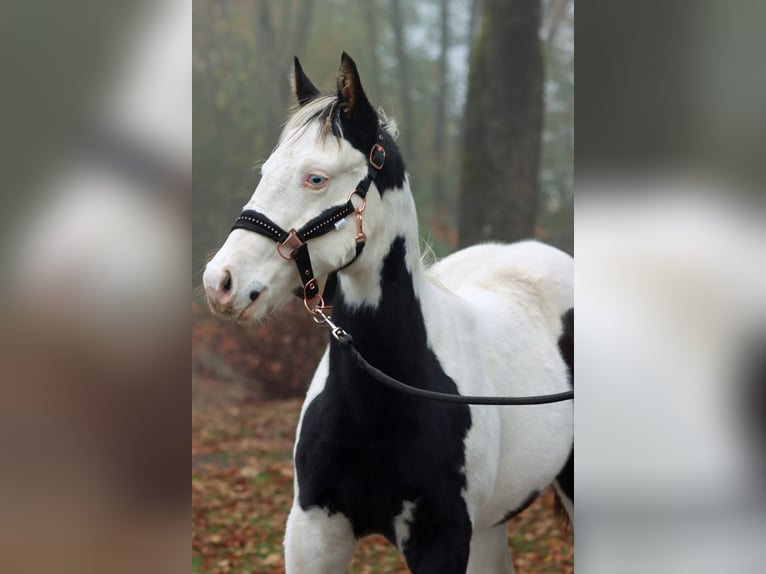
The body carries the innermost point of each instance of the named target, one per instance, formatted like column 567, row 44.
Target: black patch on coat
column 364, row 448
column 565, row 478
column 520, row 508
column 363, row 137
column 566, row 342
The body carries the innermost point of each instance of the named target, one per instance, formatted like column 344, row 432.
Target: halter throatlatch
column 292, row 244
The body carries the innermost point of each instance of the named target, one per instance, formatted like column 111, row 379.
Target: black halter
column 295, row 240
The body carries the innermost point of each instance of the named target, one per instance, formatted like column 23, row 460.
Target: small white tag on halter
column 340, row 224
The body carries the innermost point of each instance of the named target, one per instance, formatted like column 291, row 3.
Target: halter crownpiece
column 291, row 245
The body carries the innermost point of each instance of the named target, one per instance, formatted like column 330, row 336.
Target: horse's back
column 528, row 271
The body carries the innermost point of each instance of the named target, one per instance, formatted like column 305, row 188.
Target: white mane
column 324, row 109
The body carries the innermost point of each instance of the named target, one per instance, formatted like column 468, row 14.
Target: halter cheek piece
column 291, row 245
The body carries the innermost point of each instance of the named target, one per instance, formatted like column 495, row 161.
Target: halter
column 292, row 244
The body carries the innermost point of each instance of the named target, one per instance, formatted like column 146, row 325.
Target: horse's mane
column 326, row 110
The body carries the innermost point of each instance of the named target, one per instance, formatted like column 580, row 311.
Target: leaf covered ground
column 242, row 484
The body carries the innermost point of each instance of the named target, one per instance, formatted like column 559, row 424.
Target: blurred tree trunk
column 477, row 7
column 556, row 11
column 441, row 108
column 285, row 24
column 372, row 35
column 302, row 27
column 503, row 122
column 271, row 86
column 404, row 82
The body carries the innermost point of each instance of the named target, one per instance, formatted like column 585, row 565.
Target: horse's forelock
column 322, row 109
column 325, row 110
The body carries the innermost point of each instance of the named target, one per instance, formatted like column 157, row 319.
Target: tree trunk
column 372, row 34
column 271, row 86
column 404, row 81
column 441, row 108
column 477, row 8
column 502, row 126
column 302, row 27
column 285, row 25
column 556, row 14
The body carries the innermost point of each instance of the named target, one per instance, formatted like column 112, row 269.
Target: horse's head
column 320, row 159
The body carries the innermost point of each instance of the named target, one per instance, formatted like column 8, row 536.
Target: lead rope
column 346, row 342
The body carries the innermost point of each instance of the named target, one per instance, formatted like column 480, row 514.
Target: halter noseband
column 291, row 245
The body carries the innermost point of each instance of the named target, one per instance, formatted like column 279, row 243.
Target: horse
column 438, row 480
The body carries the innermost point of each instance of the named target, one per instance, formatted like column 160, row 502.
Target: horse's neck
column 390, row 258
column 378, row 302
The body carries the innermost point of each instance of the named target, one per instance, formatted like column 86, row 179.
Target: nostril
column 226, row 282
column 254, row 295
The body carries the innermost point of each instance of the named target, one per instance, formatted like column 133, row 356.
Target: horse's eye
column 316, row 180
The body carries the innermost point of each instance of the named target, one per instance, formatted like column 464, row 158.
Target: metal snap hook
column 362, row 207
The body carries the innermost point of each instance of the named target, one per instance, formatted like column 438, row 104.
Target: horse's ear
column 351, row 96
column 303, row 88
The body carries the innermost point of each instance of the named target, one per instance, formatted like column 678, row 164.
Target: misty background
column 415, row 60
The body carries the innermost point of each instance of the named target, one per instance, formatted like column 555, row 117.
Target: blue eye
column 316, row 180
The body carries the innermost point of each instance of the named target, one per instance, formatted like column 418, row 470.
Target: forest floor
column 242, row 487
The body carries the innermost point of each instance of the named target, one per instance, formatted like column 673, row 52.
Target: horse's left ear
column 304, row 89
column 352, row 98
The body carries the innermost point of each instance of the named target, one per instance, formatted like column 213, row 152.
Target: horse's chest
column 368, row 472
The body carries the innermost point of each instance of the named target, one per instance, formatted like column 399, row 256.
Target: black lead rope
column 346, row 342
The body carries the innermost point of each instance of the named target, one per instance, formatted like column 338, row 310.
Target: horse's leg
column 317, row 543
column 489, row 551
column 437, row 545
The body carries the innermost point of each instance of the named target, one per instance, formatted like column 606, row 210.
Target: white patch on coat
column 489, row 552
column 402, row 523
column 317, row 542
column 385, row 219
column 508, row 324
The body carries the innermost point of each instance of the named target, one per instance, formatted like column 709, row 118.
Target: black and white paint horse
column 438, row 480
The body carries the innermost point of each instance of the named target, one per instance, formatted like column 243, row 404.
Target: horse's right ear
column 303, row 88
column 351, row 96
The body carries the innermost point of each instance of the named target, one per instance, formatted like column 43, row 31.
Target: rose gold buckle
column 379, row 148
column 307, row 301
column 290, row 241
column 362, row 207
